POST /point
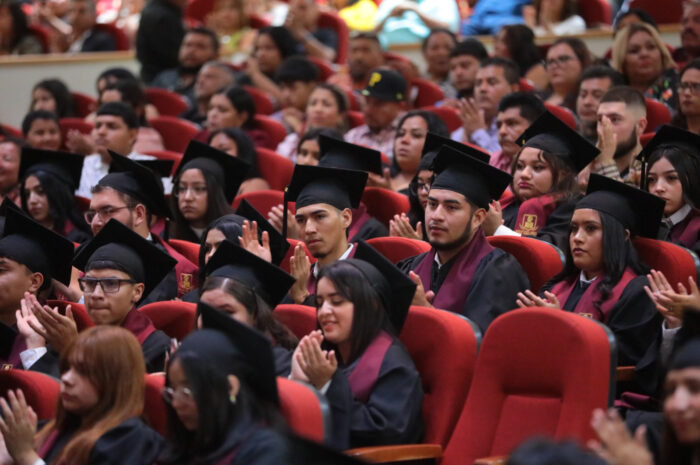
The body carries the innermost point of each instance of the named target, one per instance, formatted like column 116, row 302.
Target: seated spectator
column 495, row 78
column 327, row 108
column 41, row 130
column 554, row 18
column 52, row 95
column 465, row 59
column 127, row 18
column 10, row 156
column 158, row 39
column 131, row 92
column 517, row 42
column 302, row 22
column 199, row 46
column 386, row 97
column 235, row 142
column 436, row 49
column 566, row 60
column 516, row 112
column 645, row 62
column 690, row 33
column 633, row 15
column 230, row 20
column 364, row 55
column 594, row 83
column 688, row 115
column 112, row 76
column 296, row 79
column 489, row 16
column 212, row 77
column 308, row 150
column 83, row 35
column 402, row 22
column 15, row 36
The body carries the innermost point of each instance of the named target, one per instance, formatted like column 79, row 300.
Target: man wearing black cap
column 462, row 272
column 385, row 95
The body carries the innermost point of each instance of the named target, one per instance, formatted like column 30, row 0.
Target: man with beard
column 214, row 76
column 690, row 33
column 465, row 59
column 364, row 55
column 622, row 109
column 199, row 46
column 594, row 83
column 462, row 272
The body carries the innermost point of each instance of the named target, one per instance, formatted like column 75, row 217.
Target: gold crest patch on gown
column 528, row 226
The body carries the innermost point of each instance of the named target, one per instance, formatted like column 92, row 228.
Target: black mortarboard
column 132, row 178
column 386, row 84
column 305, row 452
column 433, row 143
column 228, row 171
column 666, row 137
column 637, row 210
column 245, row 344
column 6, row 205
column 163, row 168
column 137, row 256
column 336, row 153
column 36, row 247
column 479, row 182
column 270, row 282
column 394, row 287
column 334, row 186
column 278, row 244
column 552, row 135
column 688, row 356
column 66, row 167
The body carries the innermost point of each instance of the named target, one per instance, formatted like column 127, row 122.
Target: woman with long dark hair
column 688, row 114
column 53, row 95
column 566, row 59
column 517, row 42
column 603, row 278
column 98, row 414
column 237, row 143
column 15, row 36
column 272, row 46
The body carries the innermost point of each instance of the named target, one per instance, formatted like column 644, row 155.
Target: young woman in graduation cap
column 204, row 187
column 672, row 167
column 603, row 278
column 48, row 181
column 221, row 394
column 544, row 183
column 235, row 142
column 98, row 414
column 356, row 359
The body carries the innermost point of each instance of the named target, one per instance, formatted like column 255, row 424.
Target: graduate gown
column 685, row 233
column 480, row 282
column 545, row 217
column 364, row 226
column 11, row 345
column 131, row 442
column 377, row 399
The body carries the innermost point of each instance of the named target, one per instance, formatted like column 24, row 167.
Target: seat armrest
column 625, row 374
column 495, row 460
column 399, row 453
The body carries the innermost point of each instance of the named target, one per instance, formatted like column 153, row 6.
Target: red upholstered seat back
column 398, row 248
column 657, row 115
column 80, row 314
column 175, row 318
column 263, row 103
column 526, row 85
column 675, row 262
column 154, row 408
column 428, row 94
column 325, row 68
column 84, row 104
column 300, row 319
column 41, row 391
column 355, row 118
column 274, row 129
column 540, row 259
column 41, row 33
column 189, row 250
column 449, row 115
column 331, row 20
column 595, row 12
column 443, row 345
column 290, row 253
column 79, row 124
column 263, row 201
column 176, row 157
column 176, row 132
column 383, row 204
column 274, row 168
column 539, row 372
column 167, row 102
column 306, row 411
column 11, row 131
column 646, row 137
column 563, row 114
column 663, row 12
column 121, row 40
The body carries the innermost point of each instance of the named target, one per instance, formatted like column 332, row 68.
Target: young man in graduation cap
column 132, row 194
column 30, row 257
column 462, row 272
column 324, row 200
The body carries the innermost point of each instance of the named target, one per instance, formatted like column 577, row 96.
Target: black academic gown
column 556, row 227
column 131, row 442
column 11, row 345
column 283, row 360
column 166, row 289
column 370, row 229
column 392, row 413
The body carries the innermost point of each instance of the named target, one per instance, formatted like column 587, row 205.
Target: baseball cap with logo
column 386, row 84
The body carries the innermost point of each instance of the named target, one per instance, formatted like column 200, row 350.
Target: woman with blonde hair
column 646, row 63
column 97, row 417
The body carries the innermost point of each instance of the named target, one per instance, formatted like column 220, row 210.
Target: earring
column 232, row 398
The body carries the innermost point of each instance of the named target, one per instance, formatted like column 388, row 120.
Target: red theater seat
column 397, row 248
column 325, row 68
column 428, row 94
column 525, row 85
column 540, row 259
column 449, row 115
column 355, row 118
column 84, row 104
column 189, row 250
column 290, row 253
column 79, row 312
column 300, row 319
column 78, row 124
column 11, row 131
column 168, row 103
column 306, row 411
column 121, row 40
column 595, row 12
column 175, row 318
column 263, row 103
column 176, row 132
column 274, row 129
column 154, row 408
column 657, row 115
column 40, row 391
column 331, row 20
column 675, row 262
column 663, row 12
column 563, row 114
column 274, row 168
column 383, row 204
column 166, row 155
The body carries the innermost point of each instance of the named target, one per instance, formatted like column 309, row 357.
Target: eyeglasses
column 422, row 185
column 693, row 87
column 169, row 394
column 108, row 285
column 105, row 213
column 197, row 191
column 561, row 61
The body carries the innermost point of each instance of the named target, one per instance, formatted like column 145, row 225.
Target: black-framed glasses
column 561, row 61
column 693, row 87
column 105, row 213
column 108, row 285
column 169, row 394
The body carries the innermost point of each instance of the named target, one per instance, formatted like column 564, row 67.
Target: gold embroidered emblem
column 374, row 78
column 528, row 226
column 6, row 367
column 587, row 315
column 185, row 282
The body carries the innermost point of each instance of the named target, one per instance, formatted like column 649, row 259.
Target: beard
column 625, row 146
column 457, row 243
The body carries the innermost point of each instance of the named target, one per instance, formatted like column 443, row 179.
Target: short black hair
column 283, row 39
column 122, row 110
column 35, row 115
column 297, row 68
column 510, row 69
column 531, row 106
column 435, row 31
column 470, row 47
column 600, row 72
column 642, row 14
column 627, row 95
column 366, row 35
column 205, row 31
column 242, row 101
column 132, row 93
column 65, row 106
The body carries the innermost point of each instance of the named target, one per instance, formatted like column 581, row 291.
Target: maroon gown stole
column 185, row 270
column 687, row 232
column 48, row 444
column 586, row 305
column 311, row 283
column 533, row 214
column 13, row 360
column 366, row 372
column 457, row 284
column 139, row 324
column 359, row 218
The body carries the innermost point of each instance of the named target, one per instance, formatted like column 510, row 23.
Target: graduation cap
column 637, row 210
column 36, row 247
column 66, row 167
column 242, row 351
column 341, row 188
column 270, row 282
column 336, row 153
column 6, row 205
column 394, row 287
column 479, row 182
column 688, row 356
column 433, row 143
column 137, row 256
column 228, row 171
column 278, row 244
column 162, row 168
column 667, row 137
column 134, row 179
column 552, row 135
column 305, row 452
